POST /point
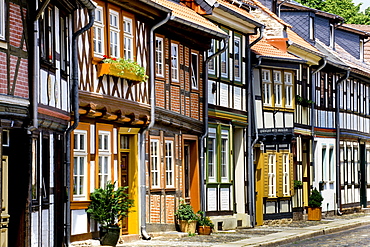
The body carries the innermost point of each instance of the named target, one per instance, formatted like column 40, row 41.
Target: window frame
column 99, row 24
column 104, row 154
column 128, row 36
column 278, row 86
column 224, row 156
column 80, row 153
column 288, row 84
column 47, row 35
column 159, row 53
column 240, row 56
column 169, row 159
column 272, row 187
column 155, row 157
column 312, row 28
column 195, row 78
column 286, row 174
column 266, row 84
column 212, row 134
column 2, row 20
column 175, row 70
column 114, row 47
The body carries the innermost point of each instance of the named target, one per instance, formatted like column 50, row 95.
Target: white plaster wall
column 329, row 188
column 289, row 120
column 79, row 221
column 269, row 120
column 279, row 120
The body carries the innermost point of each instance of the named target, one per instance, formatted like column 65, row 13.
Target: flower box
column 111, row 69
column 314, row 213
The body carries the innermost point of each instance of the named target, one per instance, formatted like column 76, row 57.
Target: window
column 79, row 164
column 47, row 35
column 312, row 28
column 104, row 158
column 288, row 82
column 331, row 164
column 272, row 175
column 64, row 42
column 98, row 38
column 174, row 62
column 286, row 176
column 128, row 38
column 224, row 155
column 211, row 154
column 266, row 82
column 237, row 58
column 154, row 162
column 367, row 165
column 194, row 70
column 324, row 164
column 169, row 164
column 355, row 165
column 159, row 56
column 114, row 33
column 211, row 63
column 2, row 19
column 278, row 89
column 224, row 63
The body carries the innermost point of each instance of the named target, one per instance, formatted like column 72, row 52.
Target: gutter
column 250, row 102
column 337, row 141
column 74, row 108
column 142, row 168
column 202, row 142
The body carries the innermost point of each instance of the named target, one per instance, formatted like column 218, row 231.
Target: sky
column 365, row 3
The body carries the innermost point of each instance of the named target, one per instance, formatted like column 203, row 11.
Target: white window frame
column 362, row 50
column 278, row 89
column 170, row 164
column 286, row 174
column 267, row 87
column 159, row 56
column 331, row 36
column 288, row 82
column 80, row 168
column 175, row 62
column 224, row 58
column 114, row 33
column 99, row 25
column 128, row 38
column 104, row 158
column 212, row 62
column 212, row 151
column 237, row 57
column 155, row 163
column 271, row 175
column 225, row 150
column 194, row 70
column 312, row 28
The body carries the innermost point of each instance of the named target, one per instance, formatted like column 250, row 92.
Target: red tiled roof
column 263, row 48
column 186, row 14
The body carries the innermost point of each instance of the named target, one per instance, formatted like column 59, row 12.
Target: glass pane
column 75, row 138
column 105, row 142
column 82, row 166
column 75, row 165
column 81, row 188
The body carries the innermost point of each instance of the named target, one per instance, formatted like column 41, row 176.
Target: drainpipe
column 203, row 144
column 144, row 233
column 249, row 101
column 337, row 141
column 313, row 96
column 74, row 108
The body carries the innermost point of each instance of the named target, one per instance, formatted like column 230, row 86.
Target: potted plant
column 314, row 205
column 108, row 207
column 205, row 224
column 120, row 67
column 186, row 218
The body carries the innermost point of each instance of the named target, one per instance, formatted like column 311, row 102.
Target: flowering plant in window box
column 123, row 68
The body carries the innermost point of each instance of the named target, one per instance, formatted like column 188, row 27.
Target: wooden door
column 187, row 173
column 4, row 196
column 124, row 182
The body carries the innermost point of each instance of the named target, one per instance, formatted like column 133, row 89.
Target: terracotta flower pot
column 204, row 230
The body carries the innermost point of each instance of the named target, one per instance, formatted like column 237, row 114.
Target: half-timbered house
column 339, row 117
column 229, row 194
column 50, row 37
column 144, row 135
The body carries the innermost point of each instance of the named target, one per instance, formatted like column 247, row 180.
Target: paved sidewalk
column 274, row 234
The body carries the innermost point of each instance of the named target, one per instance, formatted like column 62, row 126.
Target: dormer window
column 362, row 50
column 312, row 28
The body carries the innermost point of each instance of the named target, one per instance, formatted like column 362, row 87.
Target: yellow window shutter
column 279, row 174
column 265, row 175
column 291, row 175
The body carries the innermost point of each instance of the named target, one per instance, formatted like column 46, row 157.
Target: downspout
column 249, row 101
column 337, row 141
column 144, row 233
column 203, row 144
column 74, row 109
column 313, row 119
column 279, row 6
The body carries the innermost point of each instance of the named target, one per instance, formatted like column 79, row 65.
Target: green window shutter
column 265, row 175
column 279, row 174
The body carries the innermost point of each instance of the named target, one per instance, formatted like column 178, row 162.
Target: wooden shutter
column 265, row 175
column 291, row 175
column 279, row 175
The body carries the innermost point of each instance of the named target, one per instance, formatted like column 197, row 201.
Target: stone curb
column 293, row 235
